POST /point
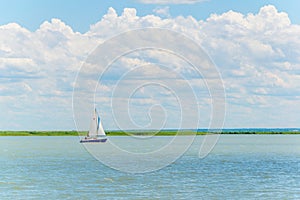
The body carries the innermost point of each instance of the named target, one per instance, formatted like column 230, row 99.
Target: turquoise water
column 239, row 167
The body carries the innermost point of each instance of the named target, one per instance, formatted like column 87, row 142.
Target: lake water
column 239, row 167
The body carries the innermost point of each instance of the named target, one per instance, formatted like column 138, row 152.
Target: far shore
column 141, row 133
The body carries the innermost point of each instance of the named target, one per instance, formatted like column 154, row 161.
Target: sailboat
column 96, row 132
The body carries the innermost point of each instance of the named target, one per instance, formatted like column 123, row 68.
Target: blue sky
column 43, row 44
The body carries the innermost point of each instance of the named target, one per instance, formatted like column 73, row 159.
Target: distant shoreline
column 149, row 133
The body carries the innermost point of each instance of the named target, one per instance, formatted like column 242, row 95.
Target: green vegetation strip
column 134, row 133
column 40, row 133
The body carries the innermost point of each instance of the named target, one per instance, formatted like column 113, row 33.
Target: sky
column 253, row 44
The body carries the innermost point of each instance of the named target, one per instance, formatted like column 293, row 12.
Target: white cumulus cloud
column 162, row 11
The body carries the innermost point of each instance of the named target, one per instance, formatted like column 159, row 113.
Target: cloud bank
column 258, row 56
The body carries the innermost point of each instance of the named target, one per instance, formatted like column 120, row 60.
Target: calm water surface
column 240, row 167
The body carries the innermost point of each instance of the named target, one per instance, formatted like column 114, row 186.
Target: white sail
column 100, row 128
column 93, row 125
